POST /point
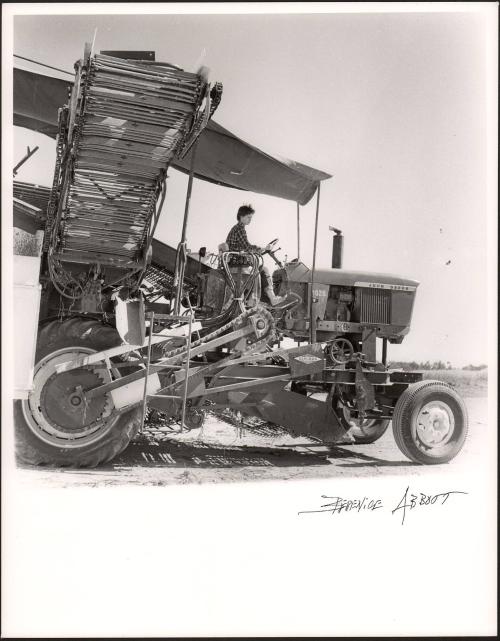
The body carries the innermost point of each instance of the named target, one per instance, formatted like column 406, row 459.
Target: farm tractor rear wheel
column 430, row 422
column 57, row 424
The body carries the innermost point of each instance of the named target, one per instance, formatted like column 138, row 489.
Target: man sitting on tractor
column 237, row 241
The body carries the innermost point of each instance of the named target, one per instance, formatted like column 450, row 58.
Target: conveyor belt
column 163, row 280
column 127, row 121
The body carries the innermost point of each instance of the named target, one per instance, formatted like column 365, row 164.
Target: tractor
column 117, row 321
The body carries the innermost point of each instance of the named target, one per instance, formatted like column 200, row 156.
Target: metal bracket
column 365, row 394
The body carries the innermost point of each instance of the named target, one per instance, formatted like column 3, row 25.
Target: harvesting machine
column 121, row 321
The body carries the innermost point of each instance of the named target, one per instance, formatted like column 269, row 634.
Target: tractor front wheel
column 430, row 422
column 57, row 424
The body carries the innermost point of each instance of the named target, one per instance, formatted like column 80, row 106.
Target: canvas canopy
column 221, row 157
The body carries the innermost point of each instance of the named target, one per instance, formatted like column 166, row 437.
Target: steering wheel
column 271, row 249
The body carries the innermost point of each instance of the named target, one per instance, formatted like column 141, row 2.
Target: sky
column 394, row 105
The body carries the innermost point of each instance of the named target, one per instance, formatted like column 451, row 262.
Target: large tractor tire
column 430, row 422
column 54, row 425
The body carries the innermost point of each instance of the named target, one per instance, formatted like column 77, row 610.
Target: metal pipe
column 148, row 361
column 180, row 276
column 252, row 383
column 337, row 247
column 188, row 193
column 184, row 396
column 42, row 64
column 158, row 212
column 312, row 321
column 298, row 231
column 384, row 351
column 29, row 153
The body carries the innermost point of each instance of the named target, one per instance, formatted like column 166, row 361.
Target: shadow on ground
column 203, row 455
column 198, row 455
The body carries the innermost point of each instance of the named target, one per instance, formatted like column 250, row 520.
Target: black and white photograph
column 249, row 331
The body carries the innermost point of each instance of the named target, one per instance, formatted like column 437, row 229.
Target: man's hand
column 267, row 248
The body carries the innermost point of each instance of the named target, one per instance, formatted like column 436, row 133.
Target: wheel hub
column 57, row 410
column 363, row 424
column 435, row 423
column 63, row 401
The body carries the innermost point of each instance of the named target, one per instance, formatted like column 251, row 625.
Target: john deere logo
column 307, row 359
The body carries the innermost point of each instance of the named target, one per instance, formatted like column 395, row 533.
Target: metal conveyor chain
column 126, row 121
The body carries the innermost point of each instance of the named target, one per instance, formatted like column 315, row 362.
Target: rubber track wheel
column 77, row 332
column 414, row 395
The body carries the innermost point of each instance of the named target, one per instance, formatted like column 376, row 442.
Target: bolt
column 75, row 400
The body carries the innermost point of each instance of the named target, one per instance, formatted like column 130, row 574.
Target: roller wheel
column 194, row 418
column 364, row 432
column 430, row 422
column 57, row 424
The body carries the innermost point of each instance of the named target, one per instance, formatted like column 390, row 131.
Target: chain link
column 230, row 325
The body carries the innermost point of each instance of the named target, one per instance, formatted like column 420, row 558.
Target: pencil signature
column 339, row 505
column 408, row 502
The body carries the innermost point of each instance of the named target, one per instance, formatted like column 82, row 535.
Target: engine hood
column 298, row 272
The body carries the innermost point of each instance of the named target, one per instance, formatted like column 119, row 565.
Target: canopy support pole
column 298, row 231
column 188, row 194
column 312, row 321
column 181, row 257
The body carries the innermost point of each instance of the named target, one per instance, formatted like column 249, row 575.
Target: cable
column 43, row 64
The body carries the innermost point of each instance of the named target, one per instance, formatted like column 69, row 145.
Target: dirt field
column 218, row 452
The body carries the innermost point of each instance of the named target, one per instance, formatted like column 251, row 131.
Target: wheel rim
column 366, row 427
column 56, row 411
column 194, row 418
column 435, row 424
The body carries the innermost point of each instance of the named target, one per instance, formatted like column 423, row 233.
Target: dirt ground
column 218, row 452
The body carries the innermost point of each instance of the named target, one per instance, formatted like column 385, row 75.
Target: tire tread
column 402, row 416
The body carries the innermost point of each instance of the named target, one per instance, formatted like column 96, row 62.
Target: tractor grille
column 375, row 306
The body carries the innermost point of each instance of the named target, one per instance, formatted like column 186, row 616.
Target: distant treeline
column 427, row 365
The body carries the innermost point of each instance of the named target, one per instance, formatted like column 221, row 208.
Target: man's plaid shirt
column 237, row 241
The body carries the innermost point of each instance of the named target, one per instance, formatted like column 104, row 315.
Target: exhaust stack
column 337, row 248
